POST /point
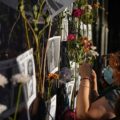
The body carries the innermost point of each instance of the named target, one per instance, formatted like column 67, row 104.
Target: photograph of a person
column 27, row 66
column 29, row 85
column 53, row 54
column 30, row 67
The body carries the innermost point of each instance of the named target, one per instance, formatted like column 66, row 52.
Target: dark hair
column 114, row 62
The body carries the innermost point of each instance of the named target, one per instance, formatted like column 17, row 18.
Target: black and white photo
column 26, row 64
column 30, row 67
column 69, row 89
column 53, row 54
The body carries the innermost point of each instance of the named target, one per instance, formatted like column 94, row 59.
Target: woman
column 104, row 107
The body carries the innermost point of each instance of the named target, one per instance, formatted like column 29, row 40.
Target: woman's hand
column 85, row 71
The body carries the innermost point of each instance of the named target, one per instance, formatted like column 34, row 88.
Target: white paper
column 53, row 54
column 69, row 89
column 53, row 108
column 64, row 29
column 72, row 67
column 78, row 82
column 27, row 66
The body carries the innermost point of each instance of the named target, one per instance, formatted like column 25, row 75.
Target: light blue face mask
column 108, row 74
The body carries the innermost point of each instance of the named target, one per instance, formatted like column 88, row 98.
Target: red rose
column 77, row 12
column 71, row 37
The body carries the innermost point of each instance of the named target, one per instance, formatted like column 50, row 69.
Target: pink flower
column 71, row 37
column 77, row 12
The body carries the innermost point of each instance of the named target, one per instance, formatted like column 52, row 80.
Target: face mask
column 108, row 74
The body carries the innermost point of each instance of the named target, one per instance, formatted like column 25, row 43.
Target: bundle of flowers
column 81, row 50
column 80, row 46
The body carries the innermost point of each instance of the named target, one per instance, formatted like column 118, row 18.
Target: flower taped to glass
column 80, row 50
column 79, row 41
column 83, row 11
column 52, row 84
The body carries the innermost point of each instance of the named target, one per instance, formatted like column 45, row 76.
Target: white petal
column 2, row 108
column 93, row 47
column 3, row 80
column 20, row 78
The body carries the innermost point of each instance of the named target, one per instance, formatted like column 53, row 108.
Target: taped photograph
column 53, row 54
column 27, row 66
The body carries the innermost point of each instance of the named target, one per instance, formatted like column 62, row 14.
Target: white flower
column 93, row 48
column 20, row 78
column 66, row 12
column 3, row 80
column 94, row 53
column 2, row 108
column 87, row 7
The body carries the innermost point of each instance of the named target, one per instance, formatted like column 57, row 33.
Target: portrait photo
column 27, row 67
column 30, row 67
column 53, row 54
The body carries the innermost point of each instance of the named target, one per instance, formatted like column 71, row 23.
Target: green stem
column 27, row 35
column 44, row 65
column 40, row 10
column 18, row 100
column 43, row 29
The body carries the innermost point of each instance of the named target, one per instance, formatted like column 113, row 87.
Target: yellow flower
column 53, row 76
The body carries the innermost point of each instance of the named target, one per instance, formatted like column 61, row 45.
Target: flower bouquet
column 80, row 50
column 79, row 44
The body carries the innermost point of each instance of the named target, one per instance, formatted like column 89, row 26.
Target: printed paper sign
column 53, row 54
column 53, row 108
column 27, row 66
column 69, row 89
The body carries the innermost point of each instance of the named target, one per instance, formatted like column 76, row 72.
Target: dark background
column 113, row 25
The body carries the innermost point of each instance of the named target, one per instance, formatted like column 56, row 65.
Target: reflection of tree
column 54, row 4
